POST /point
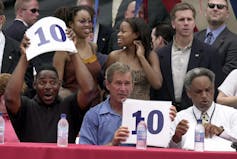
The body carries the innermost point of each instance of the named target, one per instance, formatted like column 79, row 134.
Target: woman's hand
column 140, row 51
column 71, row 35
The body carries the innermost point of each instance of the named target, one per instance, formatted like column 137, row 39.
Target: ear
column 34, row 84
column 172, row 23
column 188, row 93
column 107, row 84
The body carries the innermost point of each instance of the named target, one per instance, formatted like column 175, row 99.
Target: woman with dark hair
column 134, row 38
column 80, row 21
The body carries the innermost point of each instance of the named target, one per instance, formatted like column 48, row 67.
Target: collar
column 22, row 22
column 106, row 108
column 216, row 32
column 198, row 113
column 179, row 48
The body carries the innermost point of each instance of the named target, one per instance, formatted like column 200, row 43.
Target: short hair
column 46, row 67
column 197, row 72
column 4, row 78
column 20, row 4
column 1, row 8
column 181, row 7
column 117, row 67
column 165, row 30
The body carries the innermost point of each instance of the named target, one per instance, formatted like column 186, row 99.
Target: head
column 199, row 84
column 183, row 19
column 217, row 13
column 4, row 78
column 27, row 10
column 119, row 82
column 2, row 16
column 47, row 84
column 161, row 35
column 130, row 12
column 62, row 13
column 86, row 2
column 134, row 29
column 80, row 20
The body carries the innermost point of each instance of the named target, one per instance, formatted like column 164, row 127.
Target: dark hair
column 1, row 8
column 181, row 7
column 140, row 27
column 165, row 30
column 62, row 13
column 46, row 67
column 73, row 11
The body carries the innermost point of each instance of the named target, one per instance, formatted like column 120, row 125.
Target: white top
column 220, row 115
column 179, row 64
column 229, row 86
column 115, row 7
column 2, row 46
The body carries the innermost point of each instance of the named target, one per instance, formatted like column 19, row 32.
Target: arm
column 151, row 68
column 59, row 61
column 222, row 98
column 87, row 89
column 15, row 83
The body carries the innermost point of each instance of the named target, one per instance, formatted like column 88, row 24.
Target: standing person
column 80, row 21
column 218, row 35
column 220, row 121
column 102, row 123
column 134, row 38
column 35, row 120
column 184, row 53
column 27, row 13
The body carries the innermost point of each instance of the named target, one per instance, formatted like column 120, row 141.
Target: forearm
column 15, row 84
column 227, row 100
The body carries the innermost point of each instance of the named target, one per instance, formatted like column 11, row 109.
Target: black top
column 36, row 122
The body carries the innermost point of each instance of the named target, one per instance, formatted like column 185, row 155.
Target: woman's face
column 82, row 24
column 126, row 36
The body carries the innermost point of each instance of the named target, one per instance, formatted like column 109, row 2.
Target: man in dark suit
column 223, row 39
column 181, row 55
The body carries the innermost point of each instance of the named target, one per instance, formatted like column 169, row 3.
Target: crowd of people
column 133, row 56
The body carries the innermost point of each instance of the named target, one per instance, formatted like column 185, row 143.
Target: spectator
column 101, row 33
column 102, row 123
column 161, row 35
column 228, row 90
column 134, row 38
column 182, row 54
column 221, row 120
column 35, row 120
column 222, row 38
column 80, row 21
column 10, row 135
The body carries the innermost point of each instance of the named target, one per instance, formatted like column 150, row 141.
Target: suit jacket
column 104, row 38
column 11, row 55
column 226, row 44
column 202, row 55
column 16, row 30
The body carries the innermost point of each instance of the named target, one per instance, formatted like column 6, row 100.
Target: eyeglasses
column 219, row 6
column 33, row 10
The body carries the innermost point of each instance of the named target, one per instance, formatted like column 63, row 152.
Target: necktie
column 204, row 118
column 209, row 38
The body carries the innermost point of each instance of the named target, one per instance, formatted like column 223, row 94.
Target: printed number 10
column 150, row 119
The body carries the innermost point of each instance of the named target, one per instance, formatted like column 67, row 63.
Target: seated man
column 35, row 120
column 102, row 123
column 221, row 121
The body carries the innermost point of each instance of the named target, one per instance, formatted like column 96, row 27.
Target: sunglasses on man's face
column 34, row 10
column 219, row 6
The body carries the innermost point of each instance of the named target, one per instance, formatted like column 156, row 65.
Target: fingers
column 211, row 130
column 121, row 135
column 172, row 113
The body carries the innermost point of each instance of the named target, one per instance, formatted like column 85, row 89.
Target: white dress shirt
column 2, row 46
column 220, row 115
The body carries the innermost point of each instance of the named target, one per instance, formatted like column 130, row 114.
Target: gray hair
column 197, row 72
column 116, row 67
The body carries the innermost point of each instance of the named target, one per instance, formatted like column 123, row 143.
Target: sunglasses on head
column 219, row 6
column 34, row 10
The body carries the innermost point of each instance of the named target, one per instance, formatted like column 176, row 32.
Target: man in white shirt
column 221, row 120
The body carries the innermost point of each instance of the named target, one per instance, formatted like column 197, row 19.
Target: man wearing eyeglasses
column 218, row 35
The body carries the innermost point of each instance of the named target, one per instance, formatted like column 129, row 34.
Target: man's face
column 47, row 86
column 201, row 92
column 217, row 16
column 183, row 23
column 30, row 13
column 121, row 86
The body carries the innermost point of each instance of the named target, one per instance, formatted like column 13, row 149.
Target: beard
column 216, row 22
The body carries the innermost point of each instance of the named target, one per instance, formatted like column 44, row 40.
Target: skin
column 129, row 13
column 201, row 92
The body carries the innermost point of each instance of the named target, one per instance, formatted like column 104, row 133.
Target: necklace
column 210, row 116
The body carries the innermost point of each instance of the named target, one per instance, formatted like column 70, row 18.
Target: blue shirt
column 99, row 125
column 215, row 33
